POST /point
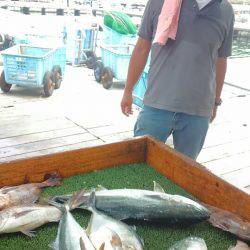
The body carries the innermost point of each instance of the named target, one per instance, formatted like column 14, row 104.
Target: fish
column 24, row 194
column 229, row 222
column 154, row 206
column 190, row 243
column 25, row 218
column 100, row 226
column 70, row 235
column 240, row 246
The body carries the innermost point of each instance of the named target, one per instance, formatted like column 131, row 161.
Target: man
column 186, row 75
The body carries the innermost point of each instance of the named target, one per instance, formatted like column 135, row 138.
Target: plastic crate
column 140, row 88
column 112, row 37
column 26, row 65
column 117, row 58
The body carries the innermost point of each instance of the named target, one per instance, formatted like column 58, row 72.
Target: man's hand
column 126, row 103
column 214, row 113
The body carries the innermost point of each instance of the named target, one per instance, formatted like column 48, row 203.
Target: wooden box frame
column 185, row 172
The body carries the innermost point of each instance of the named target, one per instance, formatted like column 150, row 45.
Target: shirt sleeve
column 226, row 48
column 146, row 27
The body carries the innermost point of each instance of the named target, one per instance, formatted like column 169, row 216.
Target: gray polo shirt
column 182, row 73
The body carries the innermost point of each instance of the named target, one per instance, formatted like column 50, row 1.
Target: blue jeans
column 189, row 131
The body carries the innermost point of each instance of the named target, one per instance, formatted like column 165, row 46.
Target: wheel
column 107, row 78
column 57, row 76
column 98, row 71
column 5, row 87
column 48, row 85
column 91, row 59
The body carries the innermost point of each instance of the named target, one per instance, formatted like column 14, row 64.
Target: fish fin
column 91, row 201
column 142, row 240
column 134, row 227
column 102, row 247
column 51, row 180
column 115, row 240
column 100, row 188
column 29, row 233
column 82, row 245
column 77, row 200
column 158, row 188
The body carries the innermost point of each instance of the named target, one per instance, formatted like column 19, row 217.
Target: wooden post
column 25, row 10
column 60, row 12
column 76, row 12
column 43, row 11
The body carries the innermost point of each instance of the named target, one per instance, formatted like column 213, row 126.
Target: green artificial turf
column 138, row 176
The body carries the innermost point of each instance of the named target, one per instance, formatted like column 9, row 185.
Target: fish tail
column 82, row 245
column 77, row 200
column 51, row 180
column 89, row 204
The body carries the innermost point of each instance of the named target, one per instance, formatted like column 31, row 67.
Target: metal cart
column 32, row 66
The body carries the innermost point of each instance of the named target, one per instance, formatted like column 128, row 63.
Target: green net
column 120, row 23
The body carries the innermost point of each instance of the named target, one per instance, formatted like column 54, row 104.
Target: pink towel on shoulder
column 168, row 21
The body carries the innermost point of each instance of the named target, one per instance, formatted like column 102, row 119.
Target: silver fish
column 100, row 225
column 147, row 205
column 26, row 218
column 240, row 246
column 190, row 243
column 70, row 235
column 24, row 194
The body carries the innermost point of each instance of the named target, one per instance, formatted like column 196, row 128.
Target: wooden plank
column 45, row 144
column 8, row 120
column 73, row 162
column 240, row 178
column 198, row 181
column 229, row 164
column 16, row 95
column 225, row 150
column 110, row 130
column 227, row 133
column 23, row 139
column 117, row 137
column 53, row 150
column 16, row 129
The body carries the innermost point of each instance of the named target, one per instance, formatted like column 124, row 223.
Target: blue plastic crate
column 26, row 65
column 140, row 88
column 117, row 58
column 112, row 37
